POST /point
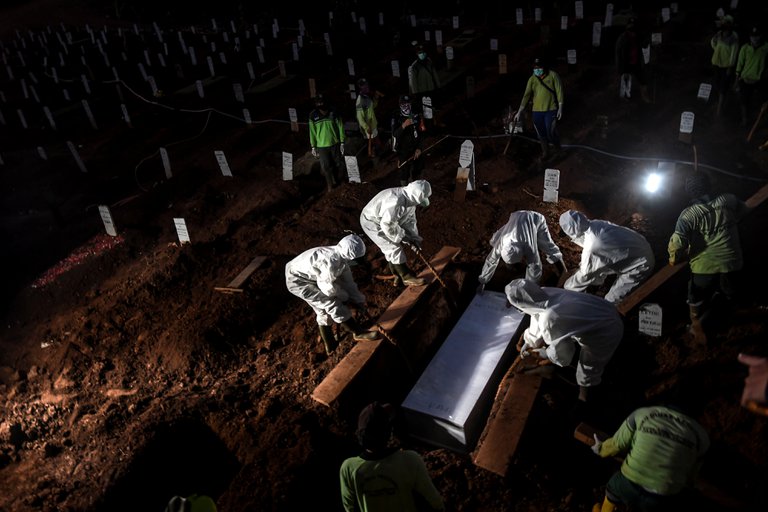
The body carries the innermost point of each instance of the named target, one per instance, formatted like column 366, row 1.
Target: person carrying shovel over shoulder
column 389, row 220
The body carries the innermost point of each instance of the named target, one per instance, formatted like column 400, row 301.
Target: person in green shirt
column 749, row 69
column 326, row 136
column 365, row 109
column 545, row 90
column 663, row 449
column 725, row 48
column 383, row 478
column 706, row 234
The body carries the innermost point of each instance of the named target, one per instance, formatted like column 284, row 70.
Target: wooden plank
column 758, row 197
column 502, row 434
column 644, row 290
column 234, row 285
column 334, row 384
column 358, row 359
column 585, row 433
column 410, row 296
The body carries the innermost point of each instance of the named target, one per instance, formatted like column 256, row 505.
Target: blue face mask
column 422, row 55
column 538, row 72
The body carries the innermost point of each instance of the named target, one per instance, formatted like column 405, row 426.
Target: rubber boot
column 407, row 277
column 358, row 333
column 696, row 329
column 605, row 506
column 329, row 340
column 397, row 279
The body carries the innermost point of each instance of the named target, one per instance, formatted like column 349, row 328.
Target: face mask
column 538, row 72
column 422, row 55
column 405, row 109
column 754, row 40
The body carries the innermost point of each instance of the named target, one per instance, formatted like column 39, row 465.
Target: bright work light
column 653, row 182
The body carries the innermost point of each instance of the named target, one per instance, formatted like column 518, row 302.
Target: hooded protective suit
column 522, row 237
column 560, row 319
column 390, row 218
column 607, row 249
column 322, row 277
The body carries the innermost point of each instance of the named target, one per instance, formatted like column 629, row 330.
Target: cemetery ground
column 126, row 378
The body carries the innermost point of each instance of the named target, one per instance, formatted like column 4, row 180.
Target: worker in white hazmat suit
column 323, row 279
column 520, row 239
column 389, row 220
column 562, row 319
column 607, row 249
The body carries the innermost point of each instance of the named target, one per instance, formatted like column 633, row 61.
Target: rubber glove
column 517, row 115
column 560, row 266
column 314, row 152
column 598, row 444
column 341, row 148
column 560, row 112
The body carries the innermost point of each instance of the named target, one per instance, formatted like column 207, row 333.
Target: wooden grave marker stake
column 199, row 86
column 106, row 218
column 251, row 73
column 247, row 116
column 88, row 113
column 49, row 116
column 126, row 117
column 22, row 118
column 210, row 66
column 222, row 160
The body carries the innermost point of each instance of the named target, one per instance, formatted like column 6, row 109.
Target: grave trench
column 183, row 457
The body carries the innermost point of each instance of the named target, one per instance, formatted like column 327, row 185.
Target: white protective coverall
column 322, row 277
column 523, row 236
column 560, row 319
column 390, row 218
column 607, row 249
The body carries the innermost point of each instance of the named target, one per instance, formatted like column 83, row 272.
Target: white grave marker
column 223, row 163
column 597, row 29
column 49, row 115
column 395, row 69
column 650, row 319
column 439, row 37
column 223, row 58
column 646, row 54
column 571, row 56
column 494, row 44
column 519, row 16
column 76, row 156
column 537, row 14
column 238, row 89
column 551, row 185
column 449, row 52
column 381, row 19
column 181, row 230
column 251, row 73
column 351, row 67
column 363, row 28
column 413, row 20
column 353, row 171
column 665, row 14
column 88, row 113
column 260, row 54
column 427, row 35
column 608, row 15
column 686, row 122
column 106, row 218
column 579, row 6
column 734, row 4
column 199, row 86
column 564, row 23
column 426, row 103
column 210, row 65
column 22, row 118
column 656, row 38
column 294, row 119
column 455, row 22
column 673, row 6
column 126, row 117
column 247, row 116
column 281, row 67
column 192, row 56
column 41, row 152
column 467, row 160
column 152, row 85
column 704, row 91
column 166, row 162
column 295, row 51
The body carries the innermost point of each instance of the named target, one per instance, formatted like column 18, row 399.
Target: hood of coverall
column 351, row 247
column 526, row 296
column 575, row 225
column 418, row 192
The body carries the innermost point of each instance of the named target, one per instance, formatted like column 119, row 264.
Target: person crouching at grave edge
column 562, row 319
column 389, row 220
column 326, row 136
column 323, row 279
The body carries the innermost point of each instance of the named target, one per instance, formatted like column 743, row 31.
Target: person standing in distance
column 545, row 91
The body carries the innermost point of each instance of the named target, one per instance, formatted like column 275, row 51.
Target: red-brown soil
column 128, row 379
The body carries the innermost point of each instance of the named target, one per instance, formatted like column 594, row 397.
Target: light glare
column 652, row 182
